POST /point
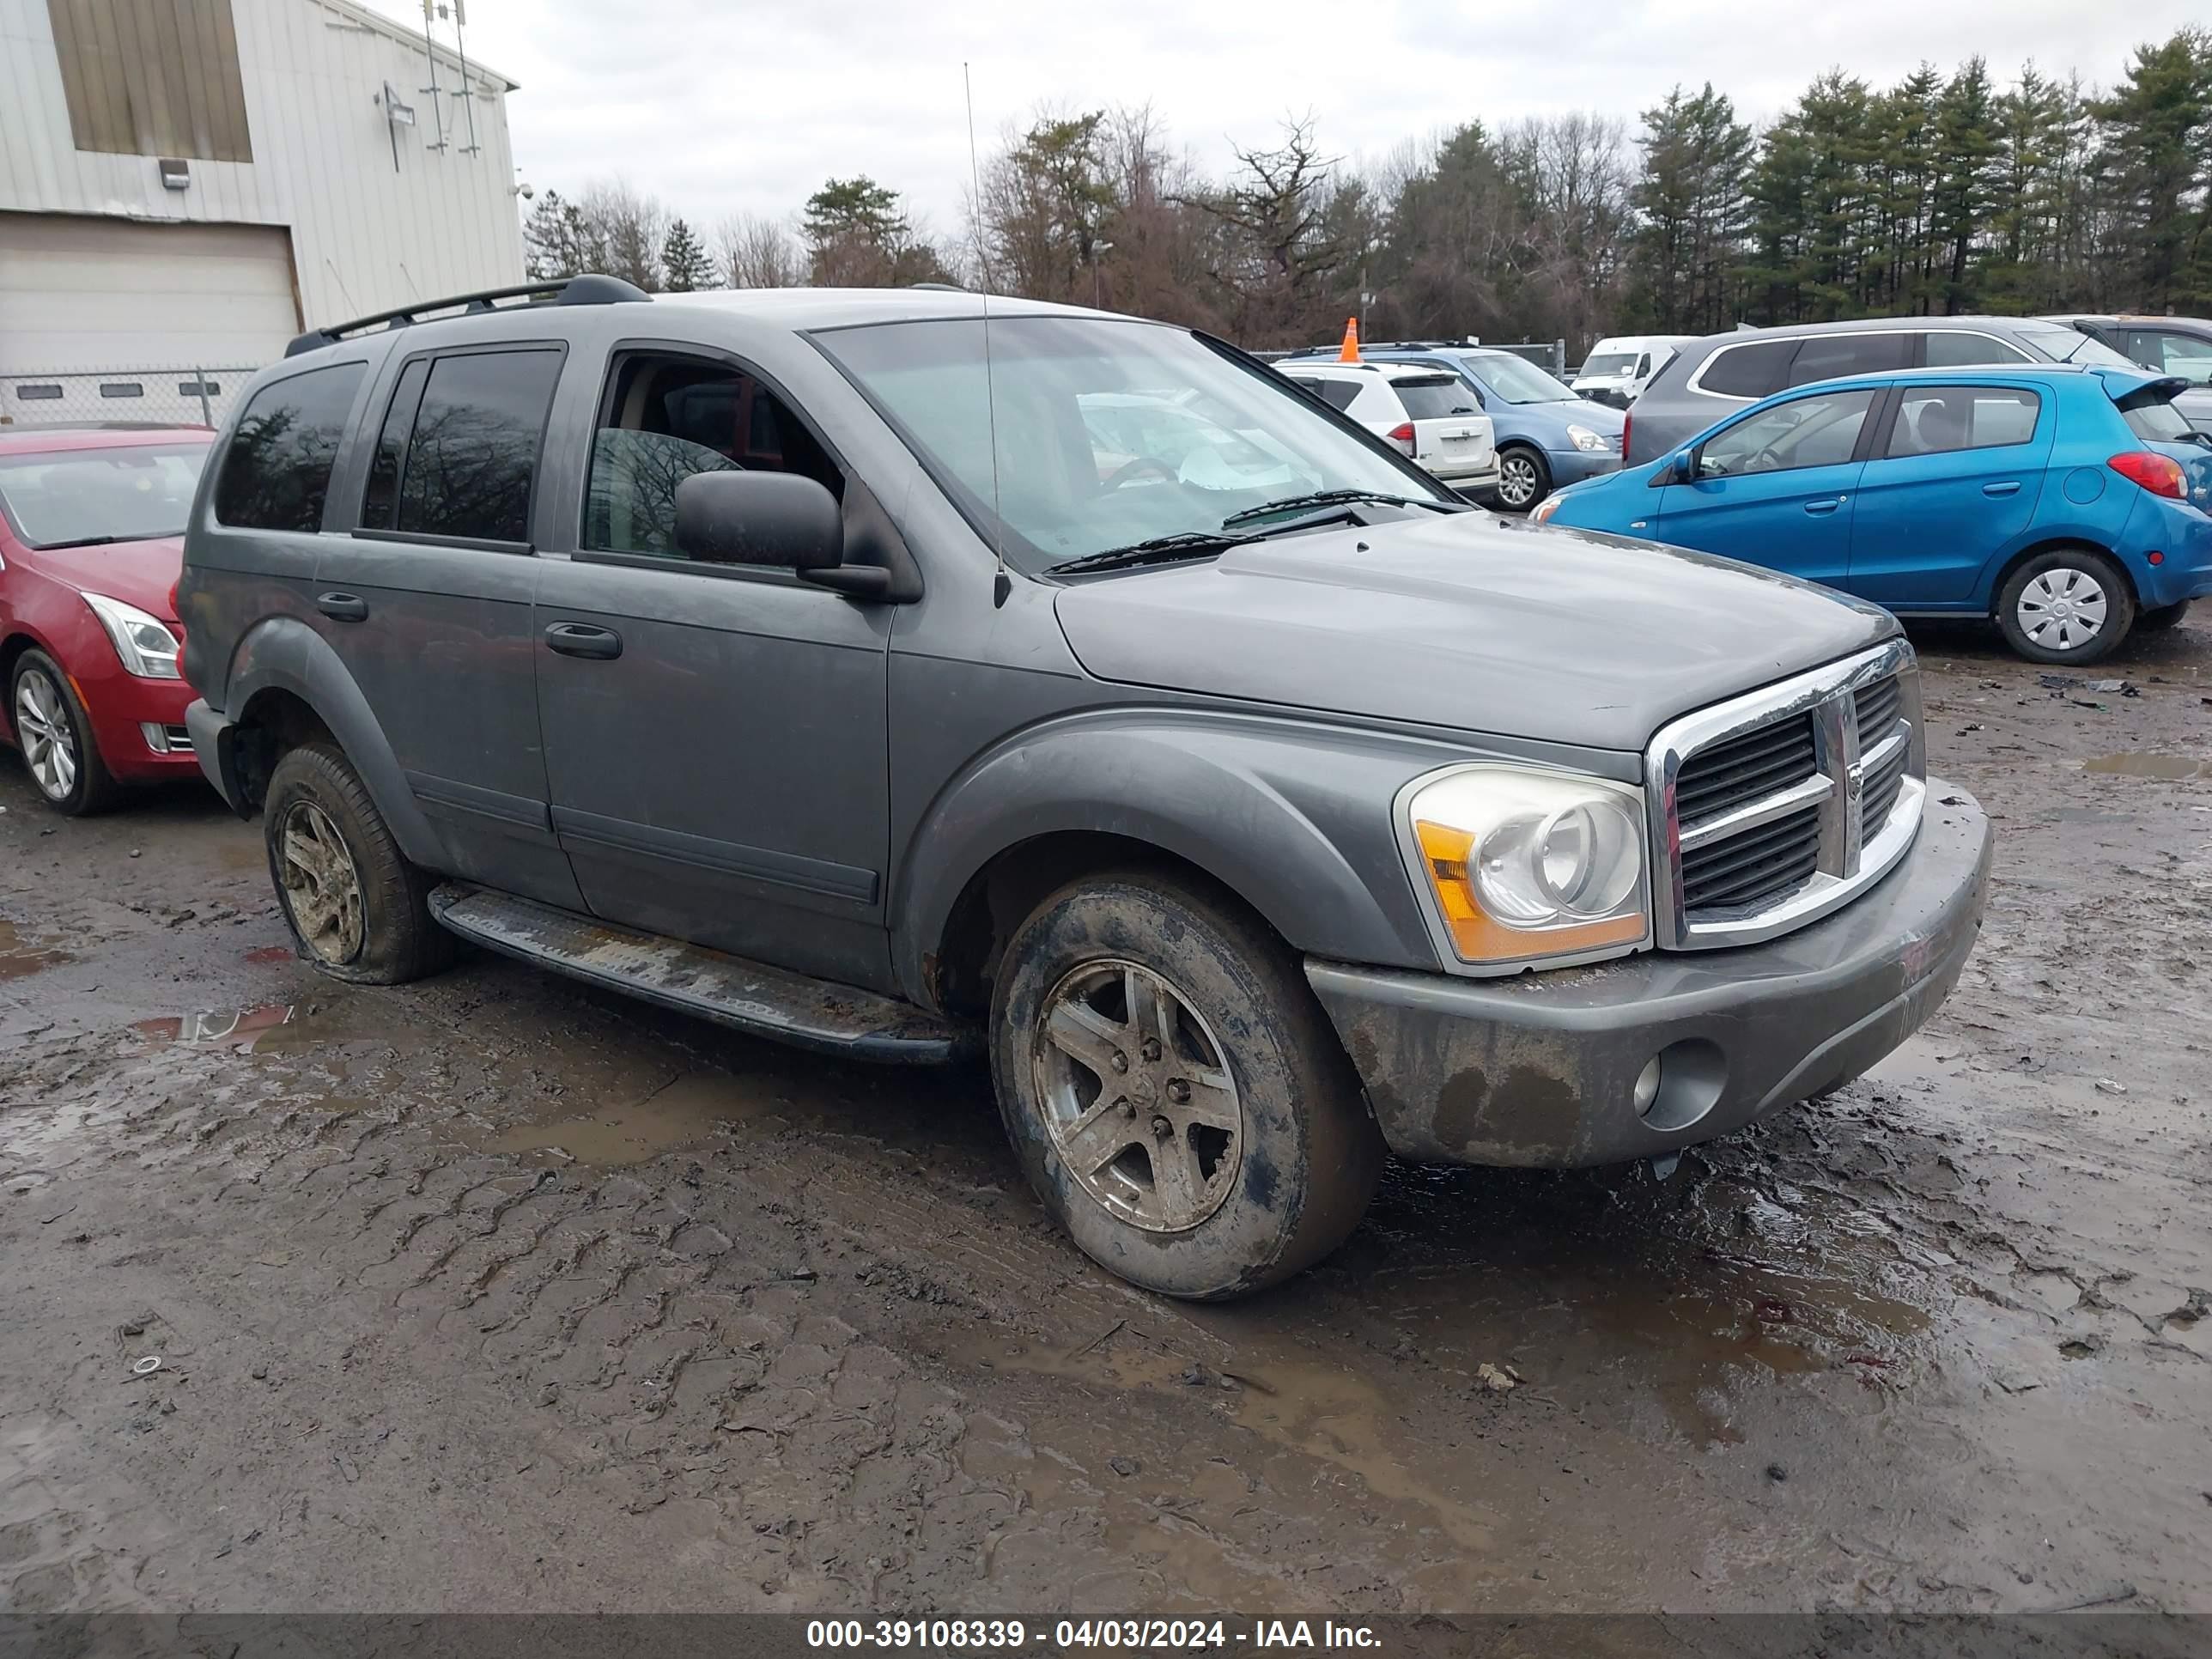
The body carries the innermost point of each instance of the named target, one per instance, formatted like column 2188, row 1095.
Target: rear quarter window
column 1753, row 370
column 276, row 473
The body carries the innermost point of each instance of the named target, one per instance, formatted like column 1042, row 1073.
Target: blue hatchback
column 2067, row 504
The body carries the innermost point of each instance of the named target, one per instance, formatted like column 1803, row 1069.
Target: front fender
column 284, row 654
column 1294, row 818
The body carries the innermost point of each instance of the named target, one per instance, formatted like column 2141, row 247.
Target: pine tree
column 553, row 239
column 2152, row 136
column 683, row 264
column 1691, row 201
column 1965, row 185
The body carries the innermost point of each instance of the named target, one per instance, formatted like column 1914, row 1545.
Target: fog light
column 157, row 739
column 1647, row 1086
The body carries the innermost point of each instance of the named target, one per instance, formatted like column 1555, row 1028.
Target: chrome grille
column 1746, row 769
column 1771, row 810
column 1752, row 868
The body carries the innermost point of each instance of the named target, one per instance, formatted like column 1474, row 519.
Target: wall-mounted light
column 176, row 172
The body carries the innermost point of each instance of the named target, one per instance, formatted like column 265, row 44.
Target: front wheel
column 54, row 734
column 2069, row 605
column 358, row 910
column 1524, row 479
column 1174, row 1092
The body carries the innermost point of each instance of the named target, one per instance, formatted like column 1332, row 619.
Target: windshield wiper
column 1160, row 549
column 87, row 541
column 1334, row 498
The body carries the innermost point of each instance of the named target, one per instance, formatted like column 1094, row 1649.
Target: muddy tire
column 358, row 910
column 2070, row 605
column 2163, row 617
column 55, row 735
column 1174, row 1092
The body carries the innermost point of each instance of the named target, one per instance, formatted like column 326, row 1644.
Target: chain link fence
column 188, row 396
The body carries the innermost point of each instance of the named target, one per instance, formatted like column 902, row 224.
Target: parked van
column 1616, row 369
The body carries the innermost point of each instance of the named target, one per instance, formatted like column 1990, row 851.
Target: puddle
column 20, row 957
column 246, row 1031
column 1299, row 1403
column 2171, row 769
column 688, row 1111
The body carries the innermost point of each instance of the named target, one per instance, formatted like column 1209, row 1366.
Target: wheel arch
column 2010, row 564
column 287, row 686
column 1295, row 829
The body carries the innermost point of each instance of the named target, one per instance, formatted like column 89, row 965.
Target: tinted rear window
column 1337, row 394
column 1825, row 356
column 277, row 471
column 1748, row 371
column 1429, row 400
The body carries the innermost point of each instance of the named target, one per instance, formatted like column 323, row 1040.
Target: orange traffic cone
column 1351, row 352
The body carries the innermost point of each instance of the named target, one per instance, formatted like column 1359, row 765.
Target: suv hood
column 1468, row 622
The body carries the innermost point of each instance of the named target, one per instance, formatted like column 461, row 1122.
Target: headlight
column 1523, row 864
column 1541, row 513
column 147, row 647
column 1583, row 438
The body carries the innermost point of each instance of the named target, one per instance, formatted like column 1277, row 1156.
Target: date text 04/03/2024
column 1124, row 1635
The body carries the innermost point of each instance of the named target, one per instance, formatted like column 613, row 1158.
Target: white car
column 1431, row 416
column 1618, row 369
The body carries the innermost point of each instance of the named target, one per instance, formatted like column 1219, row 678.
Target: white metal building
column 186, row 184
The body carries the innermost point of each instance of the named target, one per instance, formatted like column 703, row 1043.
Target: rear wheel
column 1174, row 1092
column 358, row 910
column 2164, row 617
column 55, row 735
column 1524, row 479
column 2069, row 605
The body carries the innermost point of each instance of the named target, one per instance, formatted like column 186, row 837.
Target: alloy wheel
column 1517, row 481
column 2062, row 608
column 48, row 739
column 321, row 884
column 1138, row 1096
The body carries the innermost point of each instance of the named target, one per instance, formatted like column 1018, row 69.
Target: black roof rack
column 939, row 288
column 587, row 289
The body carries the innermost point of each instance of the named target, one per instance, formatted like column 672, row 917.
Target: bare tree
column 756, row 250
column 626, row 227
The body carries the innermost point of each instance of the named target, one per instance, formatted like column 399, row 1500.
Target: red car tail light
column 1402, row 436
column 2161, row 475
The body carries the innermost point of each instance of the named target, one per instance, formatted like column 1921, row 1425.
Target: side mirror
column 1680, row 468
column 777, row 519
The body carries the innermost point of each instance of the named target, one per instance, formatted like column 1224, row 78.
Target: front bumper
column 1572, row 465
column 1542, row 1069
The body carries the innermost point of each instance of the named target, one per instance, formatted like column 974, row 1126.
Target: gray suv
column 1710, row 378
column 819, row 663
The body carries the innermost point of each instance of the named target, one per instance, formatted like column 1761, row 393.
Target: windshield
column 1107, row 433
column 1518, row 381
column 1614, row 362
column 2067, row 345
column 124, row 493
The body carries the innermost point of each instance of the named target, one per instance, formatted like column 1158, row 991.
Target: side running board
column 771, row 1002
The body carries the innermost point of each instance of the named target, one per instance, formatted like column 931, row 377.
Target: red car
column 92, row 522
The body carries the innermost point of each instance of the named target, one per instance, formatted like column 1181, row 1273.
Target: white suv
column 1431, row 416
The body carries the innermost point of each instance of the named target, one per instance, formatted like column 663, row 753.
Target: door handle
column 2009, row 487
column 573, row 638
column 343, row 607
column 1820, row 508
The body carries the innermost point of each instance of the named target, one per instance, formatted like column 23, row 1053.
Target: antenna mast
column 1001, row 584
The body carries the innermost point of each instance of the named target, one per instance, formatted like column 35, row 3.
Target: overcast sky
column 723, row 106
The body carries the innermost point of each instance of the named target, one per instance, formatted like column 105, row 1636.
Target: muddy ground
column 497, row 1292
